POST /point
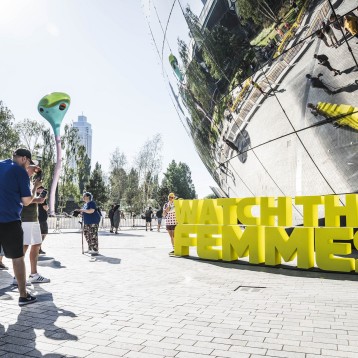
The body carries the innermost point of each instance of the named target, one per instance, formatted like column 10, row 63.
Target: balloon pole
column 53, row 108
column 56, row 175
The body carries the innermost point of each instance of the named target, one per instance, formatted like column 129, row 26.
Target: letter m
column 300, row 243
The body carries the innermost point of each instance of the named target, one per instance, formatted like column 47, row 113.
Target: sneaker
column 3, row 267
column 27, row 300
column 14, row 282
column 37, row 278
column 171, row 252
column 42, row 252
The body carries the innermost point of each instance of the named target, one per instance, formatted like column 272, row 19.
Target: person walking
column 336, row 22
column 91, row 219
column 159, row 214
column 110, row 215
column 15, row 193
column 170, row 218
column 322, row 37
column 323, row 60
column 351, row 25
column 116, row 218
column 317, row 83
column 32, row 233
column 257, row 86
column 329, row 32
column 148, row 219
column 42, row 216
column 279, row 32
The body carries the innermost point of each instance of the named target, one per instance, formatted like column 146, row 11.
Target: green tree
column 118, row 177
column 30, row 133
column 68, row 187
column 83, row 165
column 47, row 154
column 132, row 194
column 257, row 10
column 97, row 186
column 177, row 179
column 8, row 133
column 148, row 165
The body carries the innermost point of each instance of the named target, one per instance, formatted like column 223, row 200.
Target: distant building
column 85, row 133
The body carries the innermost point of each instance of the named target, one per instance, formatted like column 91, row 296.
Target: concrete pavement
column 136, row 301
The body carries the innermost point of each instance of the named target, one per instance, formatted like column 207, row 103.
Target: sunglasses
column 171, row 197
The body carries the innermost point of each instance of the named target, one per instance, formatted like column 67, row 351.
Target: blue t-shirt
column 14, row 185
column 93, row 218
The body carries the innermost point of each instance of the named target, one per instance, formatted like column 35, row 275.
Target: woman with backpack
column 91, row 220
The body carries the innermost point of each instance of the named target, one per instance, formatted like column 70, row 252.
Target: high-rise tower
column 85, row 133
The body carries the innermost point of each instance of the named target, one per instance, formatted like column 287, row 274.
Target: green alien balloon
column 53, row 108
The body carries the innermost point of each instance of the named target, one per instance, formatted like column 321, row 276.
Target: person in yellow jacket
column 340, row 115
column 351, row 24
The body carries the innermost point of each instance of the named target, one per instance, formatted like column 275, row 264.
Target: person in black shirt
column 323, row 60
column 159, row 214
column 110, row 215
column 317, row 83
column 148, row 219
column 42, row 216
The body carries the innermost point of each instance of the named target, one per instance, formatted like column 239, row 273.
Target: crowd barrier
column 60, row 222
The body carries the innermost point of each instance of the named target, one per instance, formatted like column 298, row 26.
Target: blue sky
column 100, row 53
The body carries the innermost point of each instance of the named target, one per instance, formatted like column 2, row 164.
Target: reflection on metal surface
column 244, row 95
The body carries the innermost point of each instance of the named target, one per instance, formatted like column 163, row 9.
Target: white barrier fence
column 60, row 222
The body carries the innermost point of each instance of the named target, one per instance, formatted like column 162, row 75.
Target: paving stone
column 146, row 307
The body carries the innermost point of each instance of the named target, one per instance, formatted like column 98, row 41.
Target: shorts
column 11, row 239
column 170, row 227
column 43, row 227
column 32, row 233
column 148, row 220
column 159, row 221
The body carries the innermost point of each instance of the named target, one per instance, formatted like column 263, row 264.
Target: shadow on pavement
column 352, row 87
column 349, row 70
column 49, row 262
column 120, row 234
column 41, row 315
column 109, row 260
column 282, row 269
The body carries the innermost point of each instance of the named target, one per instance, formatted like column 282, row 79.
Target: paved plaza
column 136, row 301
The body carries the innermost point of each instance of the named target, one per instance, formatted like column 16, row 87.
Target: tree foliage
column 132, row 194
column 148, row 164
column 257, row 10
column 30, row 133
column 118, row 177
column 8, row 134
column 177, row 179
column 97, row 187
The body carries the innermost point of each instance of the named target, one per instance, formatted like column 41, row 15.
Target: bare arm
column 87, row 211
column 27, row 200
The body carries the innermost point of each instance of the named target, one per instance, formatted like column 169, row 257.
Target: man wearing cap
column 32, row 231
column 14, row 194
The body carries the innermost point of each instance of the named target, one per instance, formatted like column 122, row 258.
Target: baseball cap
column 22, row 152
